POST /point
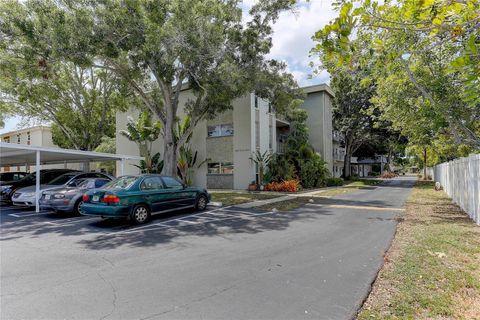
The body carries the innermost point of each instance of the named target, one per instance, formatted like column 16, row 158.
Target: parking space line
column 339, row 206
column 240, row 211
column 152, row 227
column 64, row 223
column 18, row 215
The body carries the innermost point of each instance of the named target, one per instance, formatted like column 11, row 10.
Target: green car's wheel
column 201, row 203
column 140, row 214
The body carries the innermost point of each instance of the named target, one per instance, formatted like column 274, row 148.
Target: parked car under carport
column 13, row 154
column 68, row 198
column 26, row 196
column 8, row 189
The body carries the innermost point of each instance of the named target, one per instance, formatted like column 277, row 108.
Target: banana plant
column 156, row 165
column 261, row 160
column 143, row 132
column 186, row 160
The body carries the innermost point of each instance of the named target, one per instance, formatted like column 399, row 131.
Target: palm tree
column 143, row 132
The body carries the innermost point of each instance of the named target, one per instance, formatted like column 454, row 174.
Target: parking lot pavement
column 17, row 221
column 316, row 262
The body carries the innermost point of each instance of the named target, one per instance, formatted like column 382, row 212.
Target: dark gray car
column 68, row 198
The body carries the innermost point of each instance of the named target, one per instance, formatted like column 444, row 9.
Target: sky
column 291, row 43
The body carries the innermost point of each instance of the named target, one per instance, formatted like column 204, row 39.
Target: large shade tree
column 78, row 100
column 160, row 47
column 425, row 59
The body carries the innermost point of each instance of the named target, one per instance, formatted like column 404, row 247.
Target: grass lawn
column 286, row 205
column 432, row 270
column 232, row 198
column 352, row 186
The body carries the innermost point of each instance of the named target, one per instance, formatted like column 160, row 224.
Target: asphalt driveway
column 316, row 262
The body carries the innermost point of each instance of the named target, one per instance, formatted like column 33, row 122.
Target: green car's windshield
column 121, row 183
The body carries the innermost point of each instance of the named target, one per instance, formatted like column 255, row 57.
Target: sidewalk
column 310, row 193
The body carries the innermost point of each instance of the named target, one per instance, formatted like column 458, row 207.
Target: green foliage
column 261, row 160
column 186, row 161
column 107, row 145
column 424, row 59
column 37, row 82
column 351, row 106
column 144, row 132
column 156, row 47
column 312, row 171
column 334, row 182
column 155, row 165
column 300, row 160
column 280, row 168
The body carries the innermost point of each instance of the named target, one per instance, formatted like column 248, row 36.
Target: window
column 214, row 168
column 124, row 182
column 220, row 168
column 172, row 183
column 6, row 139
column 151, row 183
column 28, row 137
column 100, row 182
column 256, row 102
column 227, row 130
column 18, row 138
column 220, row 130
column 226, row 168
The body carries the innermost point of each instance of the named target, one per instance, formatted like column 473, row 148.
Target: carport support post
column 37, row 182
column 122, row 166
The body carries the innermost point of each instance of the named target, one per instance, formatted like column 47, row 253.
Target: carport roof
column 12, row 154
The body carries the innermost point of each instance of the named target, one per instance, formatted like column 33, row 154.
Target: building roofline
column 18, row 131
column 323, row 87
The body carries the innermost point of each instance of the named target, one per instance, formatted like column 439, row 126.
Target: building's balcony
column 339, row 157
column 337, row 136
column 281, row 147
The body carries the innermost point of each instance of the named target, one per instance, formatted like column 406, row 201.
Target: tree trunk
column 424, row 163
column 170, row 159
column 169, row 151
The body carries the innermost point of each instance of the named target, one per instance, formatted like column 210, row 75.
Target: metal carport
column 12, row 154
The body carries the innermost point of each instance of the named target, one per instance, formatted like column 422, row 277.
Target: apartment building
column 226, row 143
column 35, row 136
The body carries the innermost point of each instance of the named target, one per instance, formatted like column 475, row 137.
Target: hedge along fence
column 460, row 179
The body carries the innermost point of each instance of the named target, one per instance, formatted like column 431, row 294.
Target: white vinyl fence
column 460, row 179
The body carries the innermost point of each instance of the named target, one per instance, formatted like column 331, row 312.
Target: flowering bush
column 284, row 186
column 389, row 175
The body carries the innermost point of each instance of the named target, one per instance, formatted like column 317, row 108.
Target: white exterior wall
column 318, row 104
column 243, row 140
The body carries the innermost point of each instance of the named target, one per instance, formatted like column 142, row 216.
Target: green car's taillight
column 110, row 198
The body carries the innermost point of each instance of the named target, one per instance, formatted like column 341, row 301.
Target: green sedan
column 137, row 197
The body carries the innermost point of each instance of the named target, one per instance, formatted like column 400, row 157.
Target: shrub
column 279, row 169
column 284, row 186
column 312, row 172
column 334, row 182
column 389, row 175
